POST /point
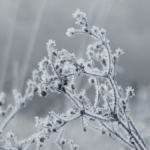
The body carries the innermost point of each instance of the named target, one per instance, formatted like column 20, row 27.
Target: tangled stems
column 118, row 108
column 141, row 144
column 110, row 108
column 21, row 101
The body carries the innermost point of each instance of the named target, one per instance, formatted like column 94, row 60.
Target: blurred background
column 26, row 26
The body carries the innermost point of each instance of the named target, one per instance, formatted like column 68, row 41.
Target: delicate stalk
column 137, row 133
column 130, row 133
column 9, row 118
column 119, row 136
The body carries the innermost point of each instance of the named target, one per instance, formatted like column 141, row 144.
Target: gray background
column 26, row 26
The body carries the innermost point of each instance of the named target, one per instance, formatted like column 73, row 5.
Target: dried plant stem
column 9, row 118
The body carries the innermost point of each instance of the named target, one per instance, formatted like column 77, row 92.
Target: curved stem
column 8, row 119
column 131, row 134
column 119, row 136
column 115, row 93
column 131, row 123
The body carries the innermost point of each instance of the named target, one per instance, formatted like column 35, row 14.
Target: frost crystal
column 70, row 32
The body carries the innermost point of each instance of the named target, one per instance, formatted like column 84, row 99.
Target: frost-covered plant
column 59, row 72
column 141, row 107
column 111, row 115
column 9, row 140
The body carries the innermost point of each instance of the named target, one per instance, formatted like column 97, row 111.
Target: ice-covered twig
column 21, row 101
column 66, row 68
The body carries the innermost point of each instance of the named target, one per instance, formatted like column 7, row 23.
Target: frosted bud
column 63, row 142
column 70, row 32
column 91, row 80
column 59, row 87
column 35, row 75
column 95, row 29
column 43, row 64
column 90, row 53
column 103, row 60
column 58, row 121
column 50, row 44
column 119, row 51
column 29, row 83
column 42, row 139
column 86, row 29
column 103, row 32
column 3, row 113
column 2, row 97
column 89, row 64
column 84, row 129
column 114, row 58
column 90, row 47
column 10, row 135
column 73, row 86
column 80, row 96
column 98, row 45
column 130, row 92
column 79, row 14
column 1, row 131
column 75, row 147
column 103, row 131
column 57, row 67
column 17, row 96
column 123, row 101
column 43, row 93
column 120, row 88
column 103, row 87
column 10, row 107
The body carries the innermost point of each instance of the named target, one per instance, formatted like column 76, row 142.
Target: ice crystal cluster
column 58, row 73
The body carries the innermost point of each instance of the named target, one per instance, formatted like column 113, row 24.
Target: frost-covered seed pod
column 72, row 86
column 84, row 129
column 72, row 112
column 49, row 125
column 115, row 58
column 63, row 142
column 57, row 66
column 92, row 119
column 80, row 96
column 35, row 89
column 42, row 139
column 43, row 93
column 54, row 53
column 3, row 113
column 59, row 87
column 54, row 130
column 123, row 102
column 58, row 121
column 85, row 29
column 66, row 81
column 82, row 112
column 1, row 103
column 92, row 81
column 103, row 131
column 22, row 104
column 104, row 62
column 60, row 71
